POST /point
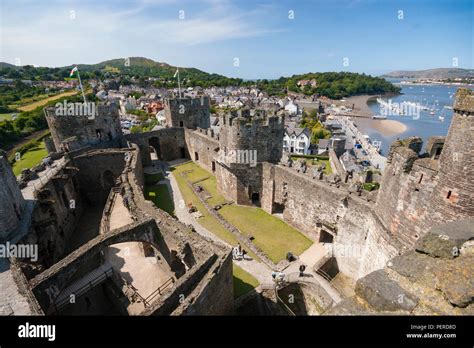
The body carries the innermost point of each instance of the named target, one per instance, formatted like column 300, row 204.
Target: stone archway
column 154, row 143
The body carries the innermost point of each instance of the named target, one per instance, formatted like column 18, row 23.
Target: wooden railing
column 159, row 291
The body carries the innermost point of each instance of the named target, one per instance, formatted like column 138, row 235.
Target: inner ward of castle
column 103, row 246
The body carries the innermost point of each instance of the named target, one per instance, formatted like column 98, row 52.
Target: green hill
column 137, row 67
column 334, row 85
column 138, row 70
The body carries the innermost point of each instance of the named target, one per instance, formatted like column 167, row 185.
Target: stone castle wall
column 73, row 132
column 453, row 196
column 98, row 172
column 262, row 132
column 418, row 191
column 203, row 147
column 11, row 199
column 361, row 243
column 54, row 218
column 406, row 189
column 168, row 143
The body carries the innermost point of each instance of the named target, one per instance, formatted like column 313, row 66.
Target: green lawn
column 5, row 117
column 243, row 281
column 28, row 104
column 160, row 196
column 207, row 221
column 30, row 158
column 271, row 234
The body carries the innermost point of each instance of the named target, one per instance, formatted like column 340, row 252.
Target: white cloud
column 49, row 30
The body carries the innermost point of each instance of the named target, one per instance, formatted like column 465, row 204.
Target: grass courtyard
column 207, row 221
column 243, row 281
column 272, row 235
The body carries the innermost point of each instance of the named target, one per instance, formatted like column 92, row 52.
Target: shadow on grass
column 241, row 287
column 161, row 197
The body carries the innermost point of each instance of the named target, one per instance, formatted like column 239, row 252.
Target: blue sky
column 333, row 35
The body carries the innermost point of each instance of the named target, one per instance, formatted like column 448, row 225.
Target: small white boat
column 432, row 113
column 441, row 118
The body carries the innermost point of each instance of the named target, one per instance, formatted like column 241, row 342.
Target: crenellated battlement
column 252, row 118
column 258, row 130
column 202, row 101
column 464, row 102
column 208, row 132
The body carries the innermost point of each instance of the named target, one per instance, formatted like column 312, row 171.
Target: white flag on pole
column 73, row 71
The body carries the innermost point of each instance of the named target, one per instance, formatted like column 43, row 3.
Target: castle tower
column 261, row 131
column 246, row 140
column 420, row 190
column 453, row 196
column 188, row 112
column 73, row 128
column 11, row 199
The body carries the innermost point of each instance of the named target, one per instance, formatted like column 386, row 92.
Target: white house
column 160, row 116
column 291, row 108
column 297, row 140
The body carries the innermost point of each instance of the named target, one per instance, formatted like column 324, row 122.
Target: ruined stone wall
column 98, row 171
column 78, row 131
column 11, row 200
column 228, row 184
column 203, row 147
column 56, row 277
column 428, row 280
column 54, row 219
column 238, row 182
column 221, row 283
column 208, row 284
column 169, row 144
column 361, row 244
column 187, row 112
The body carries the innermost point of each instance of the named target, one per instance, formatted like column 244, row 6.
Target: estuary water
column 433, row 120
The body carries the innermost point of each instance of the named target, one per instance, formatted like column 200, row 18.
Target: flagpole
column 80, row 84
column 179, row 85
